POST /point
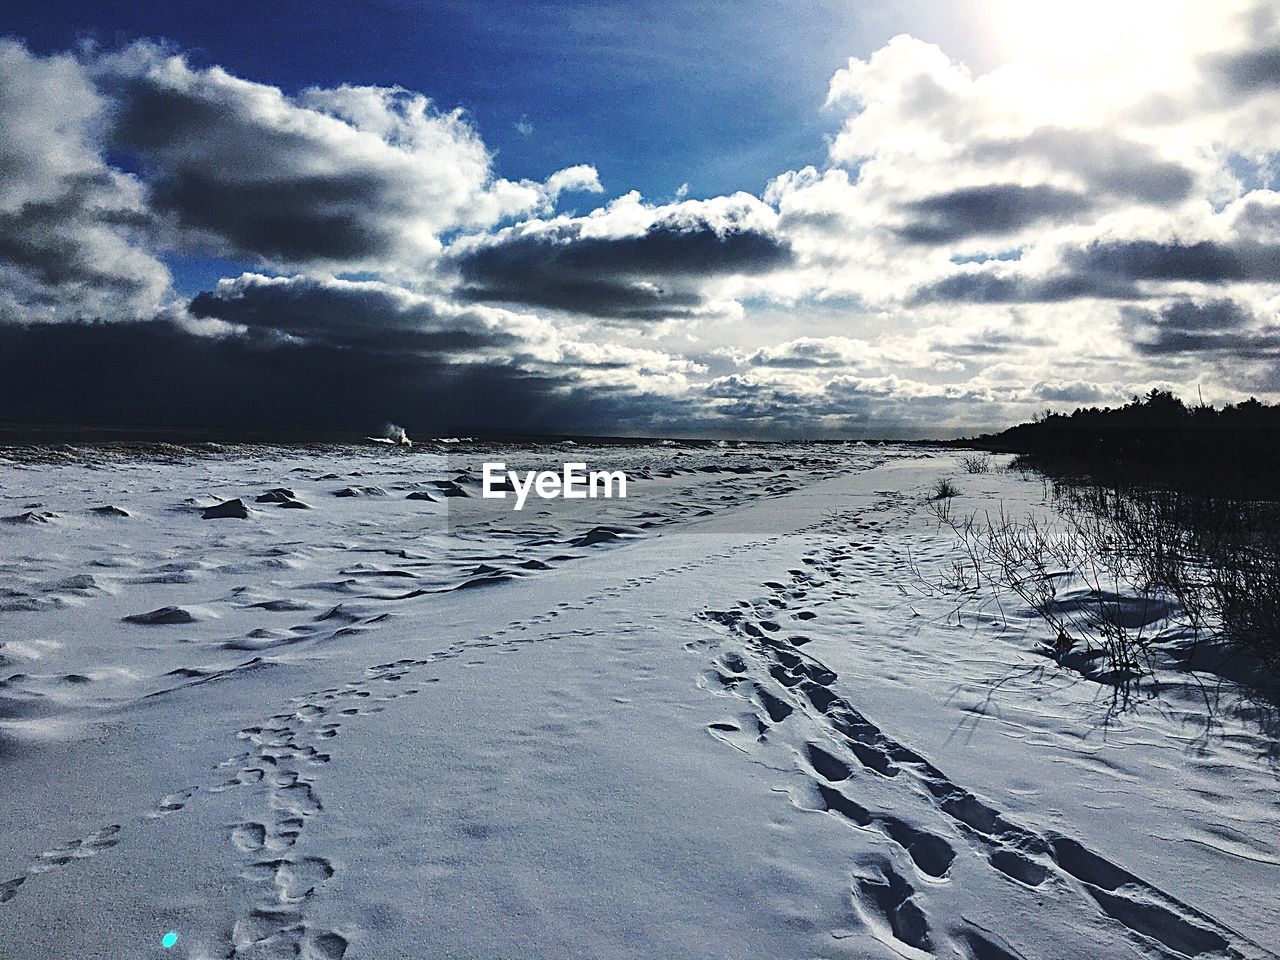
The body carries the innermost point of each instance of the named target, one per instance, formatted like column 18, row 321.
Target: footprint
column 102, row 839
column 171, row 803
column 983, row 946
column 296, row 880
column 930, row 852
column 57, row 857
column 266, row 933
column 1136, row 904
column 1019, row 867
column 830, row 767
column 298, row 799
column 887, row 903
column 285, row 833
column 249, row 837
column 323, row 946
column 778, row 710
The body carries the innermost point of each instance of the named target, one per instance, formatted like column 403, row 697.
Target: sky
column 757, row 219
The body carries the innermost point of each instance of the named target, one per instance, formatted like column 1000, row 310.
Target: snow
column 713, row 720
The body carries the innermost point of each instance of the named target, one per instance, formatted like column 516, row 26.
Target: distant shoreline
column 35, row 433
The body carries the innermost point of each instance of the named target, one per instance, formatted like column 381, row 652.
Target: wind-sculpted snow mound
column 388, row 529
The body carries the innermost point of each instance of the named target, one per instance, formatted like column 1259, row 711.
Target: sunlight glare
column 1094, row 41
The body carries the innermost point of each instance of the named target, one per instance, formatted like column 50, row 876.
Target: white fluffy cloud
column 1070, row 230
column 70, row 225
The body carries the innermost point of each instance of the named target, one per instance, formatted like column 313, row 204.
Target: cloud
column 974, row 245
column 989, row 210
column 370, row 314
column 142, row 372
column 1101, row 161
column 1220, row 328
column 72, row 229
column 1202, row 261
column 1217, row 315
column 811, row 352
column 984, row 342
column 351, row 177
column 885, row 406
column 581, row 178
column 1249, row 71
column 935, row 166
column 988, row 286
column 1076, row 391
column 627, row 261
column 384, row 320
column 1245, row 248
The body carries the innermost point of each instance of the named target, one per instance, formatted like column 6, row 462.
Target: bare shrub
column 1115, row 562
column 1218, row 556
column 1100, row 628
column 944, row 490
column 976, row 463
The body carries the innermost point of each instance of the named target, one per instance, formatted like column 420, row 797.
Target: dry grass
column 1028, row 560
column 1112, row 568
column 1218, row 556
column 945, row 490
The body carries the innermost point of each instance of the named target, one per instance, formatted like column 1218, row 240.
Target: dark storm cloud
column 370, row 315
column 349, row 177
column 1113, row 270
column 1078, row 392
column 1239, row 346
column 1107, row 163
column 298, row 221
column 1222, row 328
column 988, row 210
column 1212, row 315
column 1205, row 261
column 1247, row 71
column 650, row 276
column 985, row 287
column 249, row 179
column 151, row 372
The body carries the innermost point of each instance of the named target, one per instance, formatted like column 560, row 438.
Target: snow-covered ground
column 718, row 719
